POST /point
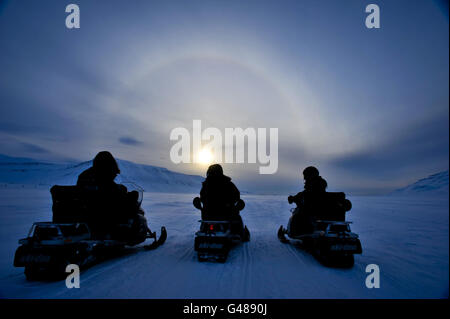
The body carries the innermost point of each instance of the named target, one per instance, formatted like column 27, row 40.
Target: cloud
column 127, row 140
column 31, row 148
column 343, row 100
column 423, row 145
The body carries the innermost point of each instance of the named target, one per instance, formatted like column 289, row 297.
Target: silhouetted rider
column 220, row 198
column 315, row 185
column 219, row 195
column 102, row 174
column 114, row 204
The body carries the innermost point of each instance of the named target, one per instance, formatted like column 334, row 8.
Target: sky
column 368, row 107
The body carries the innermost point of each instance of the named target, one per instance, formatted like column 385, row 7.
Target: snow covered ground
column 406, row 236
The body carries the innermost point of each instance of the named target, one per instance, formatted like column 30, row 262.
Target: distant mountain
column 433, row 184
column 27, row 172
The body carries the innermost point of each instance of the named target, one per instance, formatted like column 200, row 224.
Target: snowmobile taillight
column 211, row 227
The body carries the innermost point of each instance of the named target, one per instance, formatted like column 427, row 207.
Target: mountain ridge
column 437, row 183
column 21, row 171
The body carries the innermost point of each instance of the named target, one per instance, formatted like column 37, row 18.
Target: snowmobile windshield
column 134, row 187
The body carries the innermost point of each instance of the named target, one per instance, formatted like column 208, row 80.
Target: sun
column 205, row 156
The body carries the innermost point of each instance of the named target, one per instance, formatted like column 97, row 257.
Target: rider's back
column 218, row 195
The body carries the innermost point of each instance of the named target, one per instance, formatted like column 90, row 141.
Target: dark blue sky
column 370, row 108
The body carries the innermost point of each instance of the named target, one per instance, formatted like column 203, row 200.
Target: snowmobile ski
column 157, row 242
column 282, row 234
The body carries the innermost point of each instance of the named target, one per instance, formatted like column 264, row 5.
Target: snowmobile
column 74, row 238
column 324, row 232
column 215, row 238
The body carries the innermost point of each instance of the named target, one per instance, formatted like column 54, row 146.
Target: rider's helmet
column 105, row 165
column 310, row 173
column 214, row 170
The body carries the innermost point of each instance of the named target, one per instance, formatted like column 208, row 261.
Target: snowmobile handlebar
column 290, row 199
column 135, row 191
column 197, row 203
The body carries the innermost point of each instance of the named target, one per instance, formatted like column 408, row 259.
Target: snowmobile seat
column 70, row 204
column 328, row 206
column 75, row 204
column 103, row 214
